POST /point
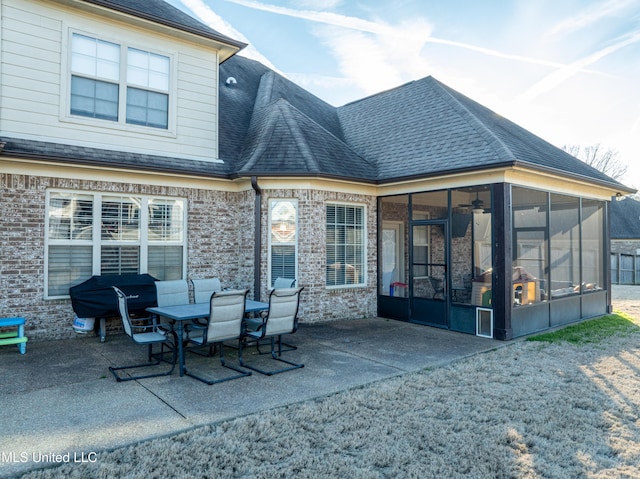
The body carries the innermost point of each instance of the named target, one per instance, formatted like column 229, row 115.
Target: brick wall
column 220, row 244
column 317, row 301
column 629, row 246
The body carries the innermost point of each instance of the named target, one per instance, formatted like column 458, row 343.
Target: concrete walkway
column 60, row 398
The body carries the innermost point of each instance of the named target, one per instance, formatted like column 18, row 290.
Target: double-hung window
column 95, row 78
column 147, row 89
column 105, row 234
column 345, row 245
column 122, row 84
column 283, row 239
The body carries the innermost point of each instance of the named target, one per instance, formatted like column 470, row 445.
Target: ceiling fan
column 477, row 205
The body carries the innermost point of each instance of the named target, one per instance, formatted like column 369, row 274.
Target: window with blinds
column 105, row 234
column 345, row 245
column 283, row 239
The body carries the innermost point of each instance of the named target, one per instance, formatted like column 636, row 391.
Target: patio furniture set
column 215, row 317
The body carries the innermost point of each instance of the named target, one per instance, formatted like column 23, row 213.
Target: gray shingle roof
column 284, row 141
column 524, row 146
column 159, row 11
column 625, row 219
column 72, row 154
column 271, row 126
column 425, row 128
column 268, row 125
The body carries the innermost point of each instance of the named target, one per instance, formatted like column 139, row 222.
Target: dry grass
column 531, row 410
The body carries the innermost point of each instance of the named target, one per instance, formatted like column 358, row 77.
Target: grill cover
column 95, row 298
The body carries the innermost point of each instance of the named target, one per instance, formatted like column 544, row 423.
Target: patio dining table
column 185, row 312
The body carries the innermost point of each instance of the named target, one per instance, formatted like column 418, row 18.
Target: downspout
column 257, row 209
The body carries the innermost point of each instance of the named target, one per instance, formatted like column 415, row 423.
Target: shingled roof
column 425, row 128
column 159, row 11
column 625, row 219
column 269, row 126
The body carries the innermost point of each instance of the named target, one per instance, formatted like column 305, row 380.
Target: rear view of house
column 136, row 140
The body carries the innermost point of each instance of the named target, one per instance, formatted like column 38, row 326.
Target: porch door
column 429, row 273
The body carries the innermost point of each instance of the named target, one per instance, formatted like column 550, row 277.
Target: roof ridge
column 373, row 164
column 501, row 149
column 264, row 95
column 283, row 105
column 264, row 99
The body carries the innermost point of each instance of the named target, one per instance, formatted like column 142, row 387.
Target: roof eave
column 101, row 163
column 612, row 185
column 313, row 175
column 227, row 45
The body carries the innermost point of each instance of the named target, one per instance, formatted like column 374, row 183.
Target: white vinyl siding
column 36, row 82
column 102, row 234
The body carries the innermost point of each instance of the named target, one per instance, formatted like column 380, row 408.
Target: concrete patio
column 60, row 398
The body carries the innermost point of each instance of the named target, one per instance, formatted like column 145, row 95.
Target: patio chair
column 254, row 324
column 281, row 283
column 170, row 293
column 204, row 288
column 143, row 332
column 224, row 323
column 281, row 319
column 438, row 287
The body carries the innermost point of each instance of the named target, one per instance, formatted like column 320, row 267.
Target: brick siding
column 220, row 244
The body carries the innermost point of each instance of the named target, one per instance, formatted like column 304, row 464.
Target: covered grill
column 95, row 298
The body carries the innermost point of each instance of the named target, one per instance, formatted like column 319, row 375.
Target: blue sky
column 568, row 71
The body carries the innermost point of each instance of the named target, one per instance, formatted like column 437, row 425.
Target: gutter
column 257, row 262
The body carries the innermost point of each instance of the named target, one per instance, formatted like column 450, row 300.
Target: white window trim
column 269, row 242
column 120, row 125
column 365, row 235
column 424, row 216
column 96, row 242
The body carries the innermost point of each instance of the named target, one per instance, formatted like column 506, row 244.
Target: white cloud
column 554, row 79
column 590, row 15
column 319, row 4
column 202, row 11
column 380, row 28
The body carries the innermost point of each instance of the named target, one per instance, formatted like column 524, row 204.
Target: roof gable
column 284, row 141
column 270, row 125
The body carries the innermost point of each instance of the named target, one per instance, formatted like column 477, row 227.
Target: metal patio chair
column 253, row 324
column 438, row 287
column 281, row 283
column 281, row 319
column 204, row 288
column 225, row 323
column 143, row 331
column 170, row 293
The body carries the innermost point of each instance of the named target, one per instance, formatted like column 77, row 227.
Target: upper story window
column 110, row 82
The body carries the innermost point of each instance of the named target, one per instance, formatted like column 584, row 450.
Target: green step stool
column 13, row 337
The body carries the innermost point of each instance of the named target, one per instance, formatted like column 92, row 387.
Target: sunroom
column 496, row 260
